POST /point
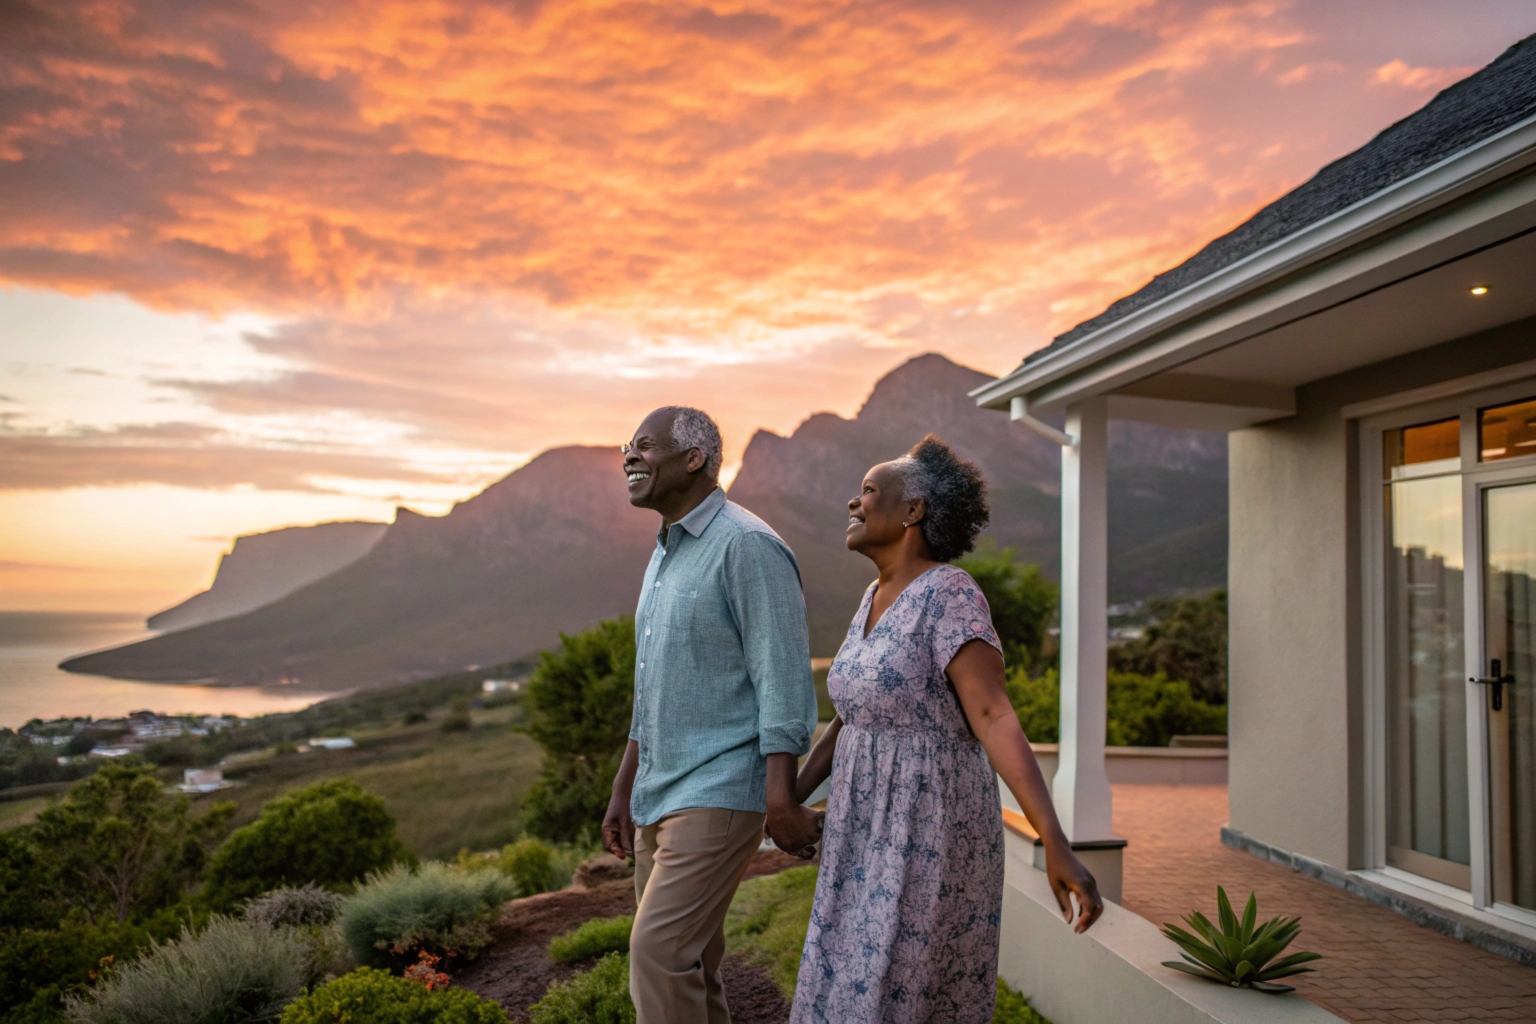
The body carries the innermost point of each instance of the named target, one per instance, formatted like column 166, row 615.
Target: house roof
column 1476, row 108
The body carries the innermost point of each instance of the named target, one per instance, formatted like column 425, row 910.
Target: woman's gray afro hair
column 693, row 428
column 954, row 494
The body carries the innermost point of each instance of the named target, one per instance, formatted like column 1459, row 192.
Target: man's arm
column 763, row 584
column 618, row 826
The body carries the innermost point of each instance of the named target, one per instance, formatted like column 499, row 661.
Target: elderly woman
column 905, row 924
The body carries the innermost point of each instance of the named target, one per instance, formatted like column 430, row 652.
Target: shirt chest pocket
column 676, row 608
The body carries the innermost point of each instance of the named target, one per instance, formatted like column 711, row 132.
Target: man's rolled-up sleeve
column 763, row 584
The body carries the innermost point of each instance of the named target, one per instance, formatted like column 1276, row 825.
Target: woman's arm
column 818, row 764
column 977, row 673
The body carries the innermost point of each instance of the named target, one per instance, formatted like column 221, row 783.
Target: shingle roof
column 1493, row 99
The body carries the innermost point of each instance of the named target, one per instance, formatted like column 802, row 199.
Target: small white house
column 501, row 686
column 331, row 743
column 202, row 780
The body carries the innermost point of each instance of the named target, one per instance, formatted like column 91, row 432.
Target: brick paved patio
column 1378, row 966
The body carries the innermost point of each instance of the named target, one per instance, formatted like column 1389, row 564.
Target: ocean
column 33, row 686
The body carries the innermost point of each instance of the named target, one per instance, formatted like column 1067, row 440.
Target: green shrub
column 768, row 920
column 579, row 701
column 599, row 996
column 367, row 996
column 331, row 833
column 1143, row 711
column 38, row 967
column 1013, row 1008
column 1023, row 601
column 401, row 912
column 1186, row 639
column 595, row 937
column 231, row 971
column 297, row 906
column 531, row 866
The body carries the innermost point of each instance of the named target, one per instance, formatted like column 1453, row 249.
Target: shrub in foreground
column 231, row 971
column 599, row 996
column 400, row 913
column 331, row 833
column 1013, row 1008
column 595, row 937
column 368, row 996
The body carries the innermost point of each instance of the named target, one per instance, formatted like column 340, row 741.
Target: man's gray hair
column 693, row 428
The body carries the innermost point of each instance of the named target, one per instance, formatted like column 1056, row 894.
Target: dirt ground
column 515, row 970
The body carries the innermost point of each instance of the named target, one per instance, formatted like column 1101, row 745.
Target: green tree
column 119, row 844
column 1023, row 601
column 1187, row 639
column 331, row 833
column 579, row 703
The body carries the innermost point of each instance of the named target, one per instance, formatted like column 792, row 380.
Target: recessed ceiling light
column 1481, row 289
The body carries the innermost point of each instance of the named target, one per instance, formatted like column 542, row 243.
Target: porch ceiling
column 1253, row 380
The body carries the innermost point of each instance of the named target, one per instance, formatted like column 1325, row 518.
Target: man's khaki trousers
column 687, row 867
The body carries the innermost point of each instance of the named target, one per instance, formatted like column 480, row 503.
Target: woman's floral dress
column 904, row 927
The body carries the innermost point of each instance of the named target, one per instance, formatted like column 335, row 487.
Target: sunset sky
column 279, row 263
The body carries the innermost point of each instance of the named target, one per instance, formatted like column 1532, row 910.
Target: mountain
column 1163, row 484
column 262, row 567
column 556, row 546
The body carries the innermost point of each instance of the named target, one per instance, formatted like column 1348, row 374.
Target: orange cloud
column 500, row 224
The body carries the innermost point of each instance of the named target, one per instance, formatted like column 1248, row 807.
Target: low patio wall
column 1114, row 972
column 1166, row 766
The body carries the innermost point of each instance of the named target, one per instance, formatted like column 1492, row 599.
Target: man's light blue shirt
column 722, row 664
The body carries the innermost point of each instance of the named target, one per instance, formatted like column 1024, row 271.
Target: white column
column 1081, row 787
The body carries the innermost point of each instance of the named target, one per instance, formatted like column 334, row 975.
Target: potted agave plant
column 1240, row 953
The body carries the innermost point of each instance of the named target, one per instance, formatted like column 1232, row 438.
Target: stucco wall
column 1295, row 672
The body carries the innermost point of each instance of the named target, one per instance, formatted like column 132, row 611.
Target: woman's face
column 875, row 517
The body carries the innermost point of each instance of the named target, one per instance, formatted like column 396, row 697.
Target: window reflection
column 1507, row 431
column 1428, row 822
column 1422, row 450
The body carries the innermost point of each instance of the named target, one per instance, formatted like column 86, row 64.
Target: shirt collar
column 697, row 521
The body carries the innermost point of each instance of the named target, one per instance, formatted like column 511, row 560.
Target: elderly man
column 724, row 707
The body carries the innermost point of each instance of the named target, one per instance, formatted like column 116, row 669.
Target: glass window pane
column 1509, row 577
column 1422, row 450
column 1426, row 688
column 1507, row 431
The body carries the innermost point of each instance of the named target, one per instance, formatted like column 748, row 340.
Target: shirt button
column 658, row 583
column 642, row 664
column 647, row 632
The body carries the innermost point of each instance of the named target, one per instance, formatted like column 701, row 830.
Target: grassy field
column 21, row 812
column 446, row 790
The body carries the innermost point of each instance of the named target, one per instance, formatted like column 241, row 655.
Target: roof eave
column 1501, row 155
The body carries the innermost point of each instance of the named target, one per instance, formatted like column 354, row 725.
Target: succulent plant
column 1239, row 954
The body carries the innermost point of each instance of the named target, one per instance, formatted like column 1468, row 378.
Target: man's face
column 657, row 472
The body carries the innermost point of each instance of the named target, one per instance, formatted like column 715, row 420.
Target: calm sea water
column 32, row 686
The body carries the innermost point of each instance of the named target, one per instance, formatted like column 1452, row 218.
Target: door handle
column 1498, row 680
